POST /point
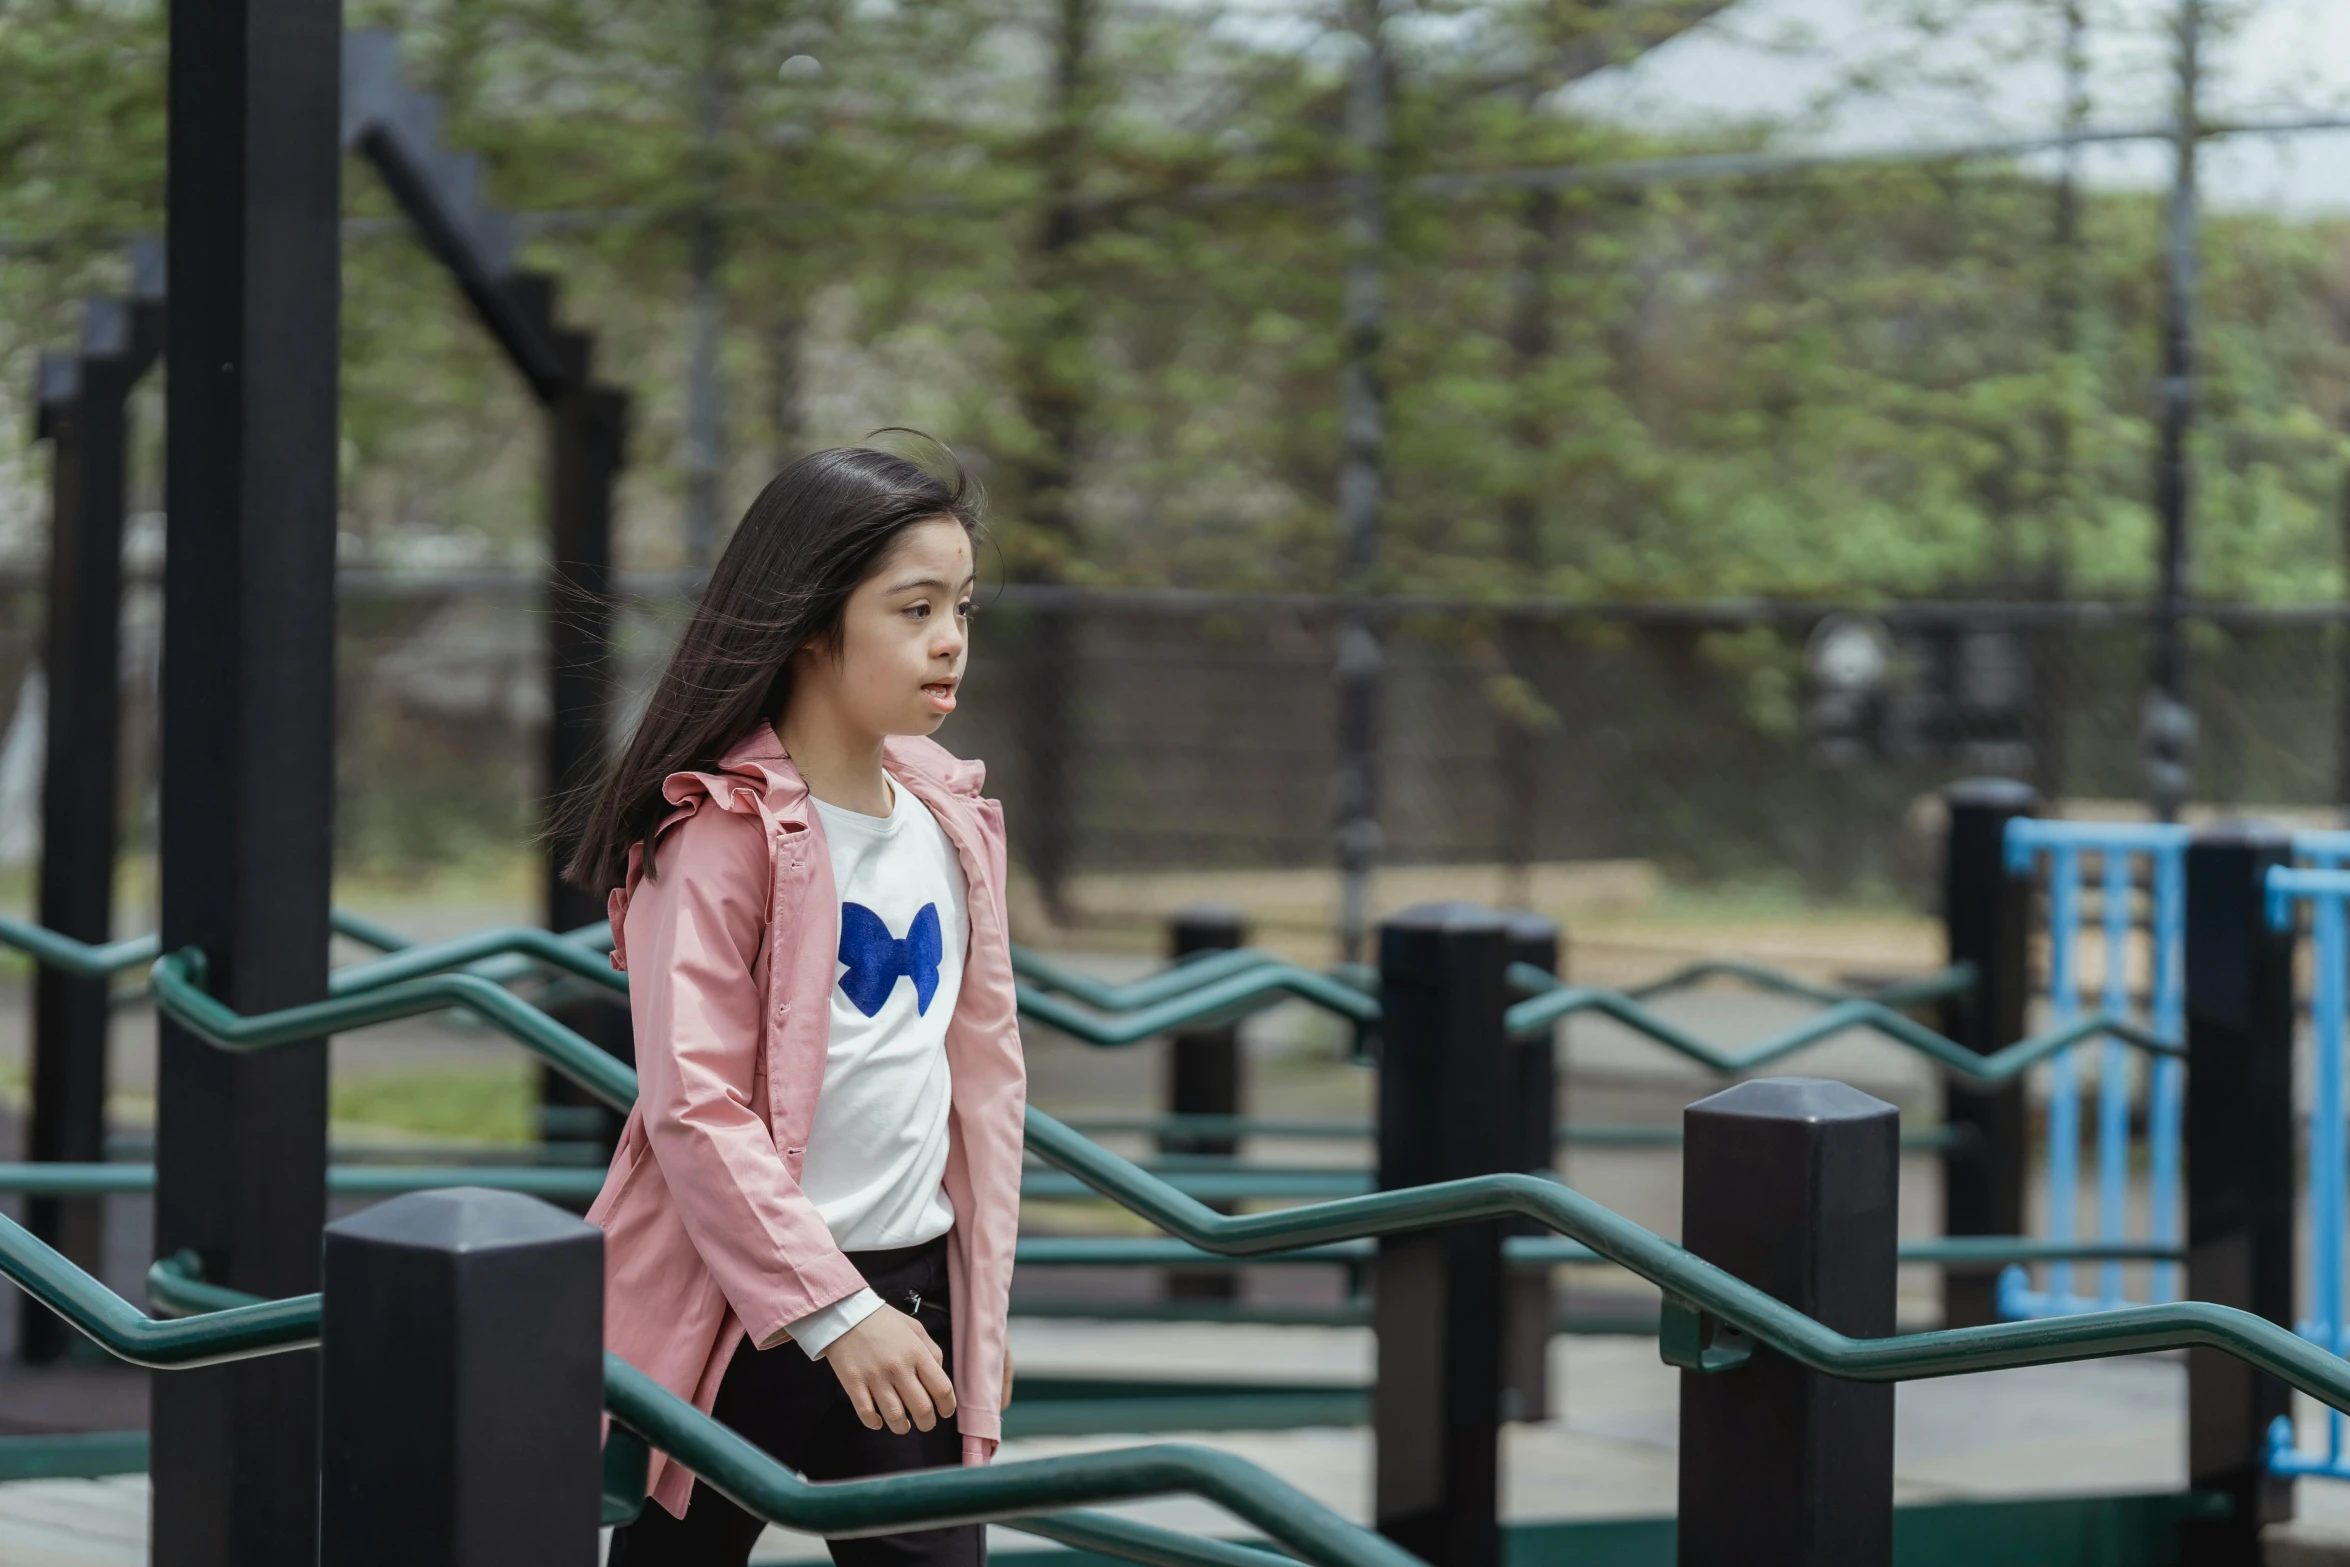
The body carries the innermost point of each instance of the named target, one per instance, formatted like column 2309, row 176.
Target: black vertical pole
column 254, row 207
column 1362, row 476
column 2169, row 722
column 1443, row 1082
column 462, row 1383
column 587, row 446
column 1790, row 1183
column 1532, row 1114
column 1048, row 716
column 1203, row 1075
column 1986, row 918
column 2240, row 1175
column 89, row 427
column 84, row 426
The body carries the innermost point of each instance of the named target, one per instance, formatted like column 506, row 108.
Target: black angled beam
column 85, row 416
column 397, row 129
column 253, row 200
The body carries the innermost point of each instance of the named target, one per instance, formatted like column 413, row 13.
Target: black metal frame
column 1445, row 1069
column 397, row 129
column 2241, row 1175
column 261, row 118
column 82, row 400
column 1986, row 919
column 253, row 206
column 84, row 413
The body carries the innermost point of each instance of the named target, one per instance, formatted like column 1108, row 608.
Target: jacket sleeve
column 694, row 934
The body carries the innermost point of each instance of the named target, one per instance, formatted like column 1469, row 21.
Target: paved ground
column 2103, row 1427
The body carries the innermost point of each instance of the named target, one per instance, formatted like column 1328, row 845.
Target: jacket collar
column 759, row 756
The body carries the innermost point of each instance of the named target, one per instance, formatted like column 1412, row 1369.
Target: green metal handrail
column 556, row 1183
column 930, row 1498
column 1246, row 990
column 1955, row 980
column 577, row 952
column 1686, row 1280
column 1042, row 973
column 1547, row 1251
column 1543, row 1011
column 367, row 932
column 1218, row 1127
column 178, row 980
column 252, row 1327
column 1211, row 989
column 1217, row 1185
column 1011, row 1493
column 581, row 953
column 1925, row 1139
column 580, row 1183
column 1700, row 1290
column 83, row 959
column 180, row 995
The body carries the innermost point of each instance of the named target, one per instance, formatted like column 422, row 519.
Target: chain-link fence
column 1719, row 741
column 1716, row 740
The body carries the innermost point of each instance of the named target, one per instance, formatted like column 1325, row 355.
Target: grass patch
column 1773, row 896
column 491, row 1106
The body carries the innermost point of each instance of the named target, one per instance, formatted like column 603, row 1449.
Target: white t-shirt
column 877, row 1152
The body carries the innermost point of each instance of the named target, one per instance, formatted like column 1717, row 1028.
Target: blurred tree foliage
column 1095, row 244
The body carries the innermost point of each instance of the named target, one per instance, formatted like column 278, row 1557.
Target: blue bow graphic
column 876, row 958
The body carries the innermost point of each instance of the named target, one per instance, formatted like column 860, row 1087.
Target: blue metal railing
column 2120, row 847
column 2325, row 891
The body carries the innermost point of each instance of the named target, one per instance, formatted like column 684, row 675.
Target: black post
column 1203, row 1075
column 2240, row 1174
column 1790, row 1183
column 587, row 446
column 462, row 1384
column 1986, row 920
column 254, row 204
column 87, row 423
column 2168, row 732
column 1048, row 718
column 1443, row 1080
column 1527, row 1298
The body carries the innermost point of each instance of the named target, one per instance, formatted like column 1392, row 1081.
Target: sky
column 1995, row 72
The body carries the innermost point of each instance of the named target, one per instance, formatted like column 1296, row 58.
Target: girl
column 809, row 1220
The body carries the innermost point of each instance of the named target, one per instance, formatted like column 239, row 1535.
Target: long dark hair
column 818, row 529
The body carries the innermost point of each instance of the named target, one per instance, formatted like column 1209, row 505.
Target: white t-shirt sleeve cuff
column 815, row 1332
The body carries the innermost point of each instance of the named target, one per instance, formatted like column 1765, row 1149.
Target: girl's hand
column 1007, row 1403
column 893, row 1372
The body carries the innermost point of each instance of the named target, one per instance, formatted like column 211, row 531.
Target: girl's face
column 903, row 637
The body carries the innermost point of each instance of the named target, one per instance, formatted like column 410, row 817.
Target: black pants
column 795, row 1409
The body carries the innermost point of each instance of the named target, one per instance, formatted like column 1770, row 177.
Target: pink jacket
column 732, row 955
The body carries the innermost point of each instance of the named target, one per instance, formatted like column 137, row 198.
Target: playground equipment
column 243, row 985
column 2122, row 848
column 1446, row 1009
column 83, row 401
column 2323, row 890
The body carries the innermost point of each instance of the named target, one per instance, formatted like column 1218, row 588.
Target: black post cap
column 1993, row 794
column 1793, row 1099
